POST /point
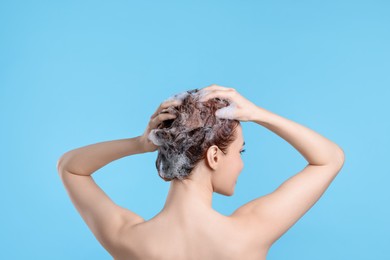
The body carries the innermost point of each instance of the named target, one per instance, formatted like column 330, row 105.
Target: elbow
column 60, row 164
column 340, row 157
column 341, row 153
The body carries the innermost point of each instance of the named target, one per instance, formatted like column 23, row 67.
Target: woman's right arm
column 315, row 148
column 270, row 216
column 273, row 214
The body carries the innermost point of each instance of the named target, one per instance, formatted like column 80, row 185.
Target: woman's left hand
column 158, row 117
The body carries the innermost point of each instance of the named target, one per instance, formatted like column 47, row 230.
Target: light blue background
column 73, row 73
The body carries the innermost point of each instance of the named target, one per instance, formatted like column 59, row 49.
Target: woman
column 199, row 139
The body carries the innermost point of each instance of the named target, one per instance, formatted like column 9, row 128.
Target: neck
column 190, row 196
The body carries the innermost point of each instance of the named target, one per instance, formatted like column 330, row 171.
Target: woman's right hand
column 240, row 108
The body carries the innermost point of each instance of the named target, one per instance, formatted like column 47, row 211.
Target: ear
column 213, row 157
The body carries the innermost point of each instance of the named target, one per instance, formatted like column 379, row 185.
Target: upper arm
column 105, row 219
column 272, row 215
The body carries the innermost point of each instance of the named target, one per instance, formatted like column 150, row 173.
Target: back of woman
column 213, row 237
column 199, row 139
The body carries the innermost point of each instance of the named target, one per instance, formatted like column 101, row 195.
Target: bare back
column 247, row 234
column 189, row 232
column 213, row 237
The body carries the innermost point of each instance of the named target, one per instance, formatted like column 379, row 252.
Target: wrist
column 144, row 145
column 138, row 141
column 260, row 115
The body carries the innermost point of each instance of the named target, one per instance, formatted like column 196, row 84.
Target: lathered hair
column 184, row 140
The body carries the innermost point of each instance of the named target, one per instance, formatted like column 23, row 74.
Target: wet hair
column 184, row 140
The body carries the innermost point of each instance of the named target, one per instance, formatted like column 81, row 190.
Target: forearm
column 315, row 148
column 88, row 159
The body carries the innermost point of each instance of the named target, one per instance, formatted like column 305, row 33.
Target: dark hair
column 184, row 140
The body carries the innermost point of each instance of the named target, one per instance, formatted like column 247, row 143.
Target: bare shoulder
column 126, row 243
column 270, row 216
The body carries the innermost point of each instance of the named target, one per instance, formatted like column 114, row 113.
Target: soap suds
column 227, row 112
column 182, row 141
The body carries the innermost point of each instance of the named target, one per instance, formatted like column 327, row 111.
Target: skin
column 187, row 227
column 189, row 207
column 218, row 173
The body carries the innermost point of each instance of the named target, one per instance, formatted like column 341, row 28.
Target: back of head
column 184, row 141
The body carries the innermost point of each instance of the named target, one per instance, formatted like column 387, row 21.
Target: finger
column 212, row 88
column 166, row 104
column 204, row 91
column 225, row 93
column 163, row 109
column 171, row 102
column 160, row 118
column 164, row 114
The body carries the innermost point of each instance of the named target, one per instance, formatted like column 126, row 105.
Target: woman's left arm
column 107, row 221
column 88, row 159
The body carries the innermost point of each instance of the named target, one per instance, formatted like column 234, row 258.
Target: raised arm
column 273, row 214
column 108, row 221
column 104, row 218
column 269, row 216
column 315, row 148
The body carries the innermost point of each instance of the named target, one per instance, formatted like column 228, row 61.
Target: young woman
column 198, row 135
